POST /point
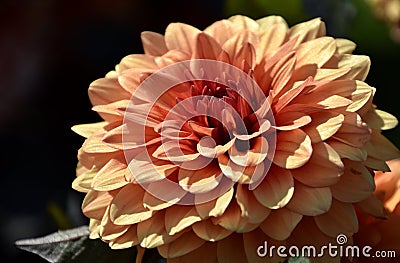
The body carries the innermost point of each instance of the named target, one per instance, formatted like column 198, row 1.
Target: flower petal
column 87, row 130
column 381, row 148
column 200, row 180
column 127, row 240
column 127, row 207
column 373, row 206
column 310, row 201
column 215, row 207
column 250, row 208
column 151, row 232
column 184, row 244
column 225, row 252
column 209, row 231
column 380, row 120
column 95, row 203
column 323, row 169
column 355, row 185
column 307, row 31
column 284, row 218
column 181, row 37
column 153, row 43
column 277, row 188
column 232, row 220
column 206, row 47
column 255, row 155
column 344, row 46
column 340, row 219
column 291, row 120
column 111, row 176
column 317, row 51
column 324, row 124
column 179, row 217
column 293, row 149
column 105, row 91
column 349, row 152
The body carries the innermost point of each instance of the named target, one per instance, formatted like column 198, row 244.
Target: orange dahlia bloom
column 215, row 141
column 383, row 234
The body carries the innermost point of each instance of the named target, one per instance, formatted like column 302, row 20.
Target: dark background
column 50, row 51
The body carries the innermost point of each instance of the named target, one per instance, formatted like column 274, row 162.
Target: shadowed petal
column 179, row 217
column 310, row 201
column 209, row 231
column 340, row 219
column 225, row 252
column 184, row 244
column 251, row 209
column 284, row 218
column 127, row 207
column 355, row 185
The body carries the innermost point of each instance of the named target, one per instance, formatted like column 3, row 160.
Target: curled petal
column 293, row 149
column 200, row 180
column 151, row 232
column 291, row 120
column 232, row 220
column 127, row 240
column 253, row 156
column 380, row 120
column 95, row 203
column 208, row 148
column 307, row 31
column 244, row 22
column 83, row 183
column 111, row 176
column 215, row 207
column 105, row 91
column 127, row 207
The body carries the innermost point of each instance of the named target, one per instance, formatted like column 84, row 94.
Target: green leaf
column 74, row 246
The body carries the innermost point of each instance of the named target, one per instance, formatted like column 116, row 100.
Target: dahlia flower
column 383, row 234
column 215, row 141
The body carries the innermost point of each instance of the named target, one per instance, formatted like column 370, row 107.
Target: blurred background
column 50, row 51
